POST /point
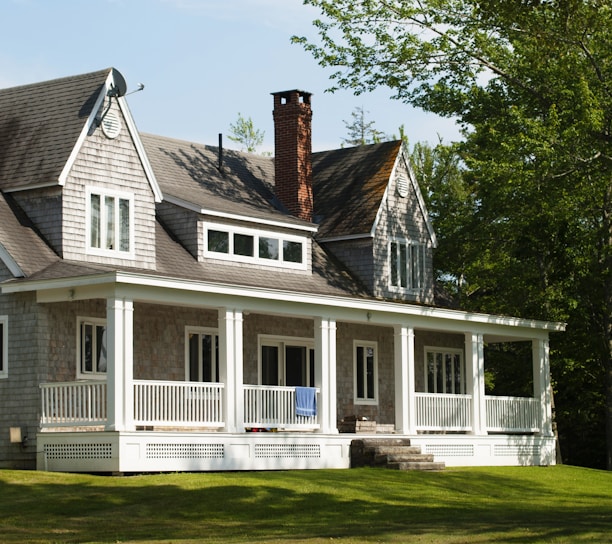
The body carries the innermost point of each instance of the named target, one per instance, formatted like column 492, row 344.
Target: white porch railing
column 437, row 412
column 274, row 407
column 194, row 404
column 73, row 404
column 513, row 414
column 185, row 404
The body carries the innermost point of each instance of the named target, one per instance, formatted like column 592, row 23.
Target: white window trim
column 196, row 330
column 94, row 375
column 256, row 233
column 444, row 351
column 281, row 342
column 4, row 332
column 422, row 269
column 116, row 253
column 356, row 399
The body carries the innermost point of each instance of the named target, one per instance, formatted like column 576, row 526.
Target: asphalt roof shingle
column 40, row 125
column 348, row 187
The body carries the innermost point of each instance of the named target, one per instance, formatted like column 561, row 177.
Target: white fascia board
column 162, row 290
column 10, row 263
column 380, row 211
column 346, row 238
column 237, row 217
column 404, row 155
column 30, row 187
column 123, row 106
column 85, row 130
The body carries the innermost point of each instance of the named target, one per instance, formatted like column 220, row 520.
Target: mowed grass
column 508, row 504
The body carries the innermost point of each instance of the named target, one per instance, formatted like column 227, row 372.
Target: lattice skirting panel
column 489, row 450
column 153, row 451
column 168, row 451
column 184, row 451
column 78, row 451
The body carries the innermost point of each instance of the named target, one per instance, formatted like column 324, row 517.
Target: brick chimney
column 292, row 152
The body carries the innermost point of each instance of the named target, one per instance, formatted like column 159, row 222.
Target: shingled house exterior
column 167, row 305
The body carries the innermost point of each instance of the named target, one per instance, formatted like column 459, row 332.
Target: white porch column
column 231, row 367
column 405, row 400
column 474, row 353
column 120, row 364
column 325, row 373
column 542, row 385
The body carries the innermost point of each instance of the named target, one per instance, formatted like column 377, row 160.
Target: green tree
column 244, row 132
column 360, row 130
column 531, row 83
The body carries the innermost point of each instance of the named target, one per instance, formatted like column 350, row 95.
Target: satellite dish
column 118, row 86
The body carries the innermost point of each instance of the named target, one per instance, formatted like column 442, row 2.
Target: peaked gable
column 349, row 185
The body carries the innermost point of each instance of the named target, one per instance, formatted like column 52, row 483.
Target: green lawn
column 529, row 504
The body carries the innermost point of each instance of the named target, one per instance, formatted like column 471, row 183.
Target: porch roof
column 328, row 289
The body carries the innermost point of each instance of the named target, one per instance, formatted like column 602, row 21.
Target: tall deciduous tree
column 531, row 82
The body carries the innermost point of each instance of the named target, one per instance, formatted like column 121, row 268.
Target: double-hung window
column 444, row 371
column 366, row 372
column 407, row 265
column 110, row 223
column 201, row 355
column 3, row 346
column 91, row 343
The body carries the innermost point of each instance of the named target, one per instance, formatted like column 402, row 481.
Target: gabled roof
column 40, row 125
column 21, row 248
column 189, row 175
column 349, row 185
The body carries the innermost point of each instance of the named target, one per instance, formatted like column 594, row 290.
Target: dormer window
column 407, row 265
column 110, row 223
column 254, row 246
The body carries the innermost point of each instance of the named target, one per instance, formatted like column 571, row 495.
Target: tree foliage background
column 525, row 228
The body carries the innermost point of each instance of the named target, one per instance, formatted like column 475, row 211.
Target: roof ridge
column 56, row 80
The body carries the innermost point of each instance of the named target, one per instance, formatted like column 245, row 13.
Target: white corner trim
column 10, row 263
column 131, row 125
column 419, row 196
column 85, row 130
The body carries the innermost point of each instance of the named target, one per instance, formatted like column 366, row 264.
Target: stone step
column 391, row 450
column 412, row 465
column 394, row 453
column 370, row 442
column 382, row 459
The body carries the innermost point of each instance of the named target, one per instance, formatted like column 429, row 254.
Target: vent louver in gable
column 402, row 186
column 111, row 125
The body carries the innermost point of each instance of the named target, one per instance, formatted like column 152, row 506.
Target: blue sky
column 202, row 62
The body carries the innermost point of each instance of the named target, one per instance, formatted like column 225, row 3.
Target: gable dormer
column 373, row 218
column 76, row 167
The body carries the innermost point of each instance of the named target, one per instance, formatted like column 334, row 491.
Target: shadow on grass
column 356, row 505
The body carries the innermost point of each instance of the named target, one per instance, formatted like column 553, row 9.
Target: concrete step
column 411, row 465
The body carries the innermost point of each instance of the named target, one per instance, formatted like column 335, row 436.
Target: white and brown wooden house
column 167, row 305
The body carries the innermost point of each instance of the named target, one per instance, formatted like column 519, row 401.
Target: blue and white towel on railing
column 306, row 401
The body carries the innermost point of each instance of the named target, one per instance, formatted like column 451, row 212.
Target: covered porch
column 122, row 423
